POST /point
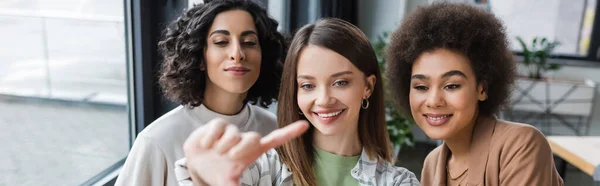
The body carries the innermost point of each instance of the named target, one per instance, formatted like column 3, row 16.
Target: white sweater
column 152, row 158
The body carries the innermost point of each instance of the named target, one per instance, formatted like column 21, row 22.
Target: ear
column 482, row 91
column 371, row 80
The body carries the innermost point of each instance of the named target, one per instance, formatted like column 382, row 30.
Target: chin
column 326, row 130
column 238, row 88
column 437, row 135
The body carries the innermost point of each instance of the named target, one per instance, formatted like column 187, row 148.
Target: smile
column 327, row 115
column 437, row 119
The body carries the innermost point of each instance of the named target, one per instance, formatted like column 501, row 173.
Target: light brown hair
column 350, row 42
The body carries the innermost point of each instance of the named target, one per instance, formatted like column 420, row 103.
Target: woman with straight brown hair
column 331, row 79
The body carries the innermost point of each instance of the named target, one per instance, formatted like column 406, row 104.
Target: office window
column 568, row 21
column 63, row 90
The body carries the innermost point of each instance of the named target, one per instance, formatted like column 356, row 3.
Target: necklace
column 457, row 176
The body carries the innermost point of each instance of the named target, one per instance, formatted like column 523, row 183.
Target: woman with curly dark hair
column 450, row 67
column 221, row 58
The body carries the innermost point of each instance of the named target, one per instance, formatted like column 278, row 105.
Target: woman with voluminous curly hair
column 221, row 58
column 450, row 67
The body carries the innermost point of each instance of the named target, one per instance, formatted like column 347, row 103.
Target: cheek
column 351, row 97
column 213, row 57
column 415, row 100
column 254, row 57
column 464, row 100
column 304, row 101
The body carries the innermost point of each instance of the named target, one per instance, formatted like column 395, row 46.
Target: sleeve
column 145, row 165
column 528, row 160
column 405, row 178
column 258, row 173
column 265, row 171
column 181, row 173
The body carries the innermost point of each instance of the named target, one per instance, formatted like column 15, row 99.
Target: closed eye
column 250, row 43
column 221, row 43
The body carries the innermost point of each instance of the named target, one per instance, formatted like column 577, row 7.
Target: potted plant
column 535, row 58
column 399, row 126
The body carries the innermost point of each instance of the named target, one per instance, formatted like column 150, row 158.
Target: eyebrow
column 225, row 32
column 334, row 75
column 454, row 73
column 445, row 75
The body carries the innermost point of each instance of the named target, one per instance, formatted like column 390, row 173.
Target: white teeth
column 326, row 115
column 437, row 118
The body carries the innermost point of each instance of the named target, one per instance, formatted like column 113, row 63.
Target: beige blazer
column 502, row 153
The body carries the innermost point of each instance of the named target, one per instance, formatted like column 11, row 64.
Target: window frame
column 593, row 54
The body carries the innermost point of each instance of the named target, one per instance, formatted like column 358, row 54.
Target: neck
column 222, row 101
column 460, row 144
column 344, row 144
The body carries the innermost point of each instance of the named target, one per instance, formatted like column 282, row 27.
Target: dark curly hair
column 462, row 28
column 184, row 41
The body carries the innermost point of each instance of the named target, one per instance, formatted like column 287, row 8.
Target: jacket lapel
column 440, row 169
column 480, row 148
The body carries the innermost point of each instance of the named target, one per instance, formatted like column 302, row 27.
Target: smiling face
column 330, row 90
column 444, row 93
column 233, row 54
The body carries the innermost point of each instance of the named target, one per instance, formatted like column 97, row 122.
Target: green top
column 332, row 169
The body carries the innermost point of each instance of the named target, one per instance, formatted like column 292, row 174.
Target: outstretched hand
column 217, row 153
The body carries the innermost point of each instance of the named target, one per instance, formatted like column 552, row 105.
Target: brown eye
column 421, row 87
column 452, row 86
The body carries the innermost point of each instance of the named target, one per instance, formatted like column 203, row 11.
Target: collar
column 478, row 155
column 204, row 115
column 366, row 167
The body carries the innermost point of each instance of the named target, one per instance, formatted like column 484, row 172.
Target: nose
column 435, row 99
column 324, row 98
column 237, row 53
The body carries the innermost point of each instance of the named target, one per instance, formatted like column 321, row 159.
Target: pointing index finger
column 282, row 135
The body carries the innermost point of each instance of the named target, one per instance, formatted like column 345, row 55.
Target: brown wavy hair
column 461, row 28
column 183, row 43
column 350, row 42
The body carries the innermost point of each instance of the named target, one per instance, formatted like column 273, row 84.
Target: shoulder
column 262, row 114
column 169, row 124
column 518, row 134
column 169, row 130
column 519, row 140
column 264, row 121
